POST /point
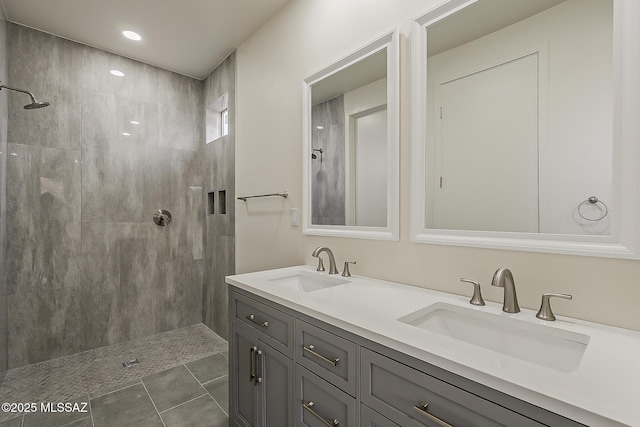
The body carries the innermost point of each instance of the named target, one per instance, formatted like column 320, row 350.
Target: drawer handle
column 258, row 365
column 423, row 410
column 309, row 407
column 252, row 363
column 311, row 350
column 252, row 318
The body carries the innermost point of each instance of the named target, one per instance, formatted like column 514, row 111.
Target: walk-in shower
column 34, row 103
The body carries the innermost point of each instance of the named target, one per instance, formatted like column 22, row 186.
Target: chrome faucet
column 332, row 261
column 504, row 279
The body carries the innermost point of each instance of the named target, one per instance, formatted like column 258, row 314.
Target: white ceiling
column 190, row 37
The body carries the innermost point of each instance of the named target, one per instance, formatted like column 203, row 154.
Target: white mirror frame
column 391, row 231
column 624, row 241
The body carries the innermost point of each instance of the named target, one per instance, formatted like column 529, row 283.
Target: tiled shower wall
column 86, row 265
column 219, row 175
column 3, row 199
column 328, row 169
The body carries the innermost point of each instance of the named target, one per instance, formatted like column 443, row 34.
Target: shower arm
column 33, row 98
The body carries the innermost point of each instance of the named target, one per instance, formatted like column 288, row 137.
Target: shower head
column 34, row 103
column 313, row 155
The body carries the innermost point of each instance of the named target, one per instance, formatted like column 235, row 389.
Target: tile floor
column 181, row 381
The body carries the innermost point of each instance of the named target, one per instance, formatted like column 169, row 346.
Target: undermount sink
column 543, row 345
column 307, row 281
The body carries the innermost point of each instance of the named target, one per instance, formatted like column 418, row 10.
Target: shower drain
column 130, row 363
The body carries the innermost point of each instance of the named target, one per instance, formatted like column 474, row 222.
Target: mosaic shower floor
column 181, row 380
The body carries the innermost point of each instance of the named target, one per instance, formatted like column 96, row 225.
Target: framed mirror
column 351, row 144
column 524, row 126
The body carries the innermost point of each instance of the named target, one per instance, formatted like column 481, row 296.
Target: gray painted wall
column 328, row 169
column 3, row 199
column 219, row 229
column 87, row 267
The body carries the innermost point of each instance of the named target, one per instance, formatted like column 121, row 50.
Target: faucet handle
column 345, row 271
column 545, row 312
column 320, row 265
column 476, row 299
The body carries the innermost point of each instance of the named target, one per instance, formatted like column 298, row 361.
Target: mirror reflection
column 519, row 131
column 348, row 161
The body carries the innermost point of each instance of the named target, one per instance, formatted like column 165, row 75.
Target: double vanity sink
column 584, row 371
column 553, row 348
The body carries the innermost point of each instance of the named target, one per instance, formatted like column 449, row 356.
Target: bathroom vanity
column 312, row 349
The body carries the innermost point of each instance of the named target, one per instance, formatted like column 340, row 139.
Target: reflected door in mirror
column 486, row 173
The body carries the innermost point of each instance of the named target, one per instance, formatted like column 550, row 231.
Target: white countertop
column 603, row 391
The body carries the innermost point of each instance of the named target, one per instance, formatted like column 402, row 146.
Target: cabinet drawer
column 400, row 393
column 270, row 325
column 320, row 403
column 328, row 355
column 370, row 418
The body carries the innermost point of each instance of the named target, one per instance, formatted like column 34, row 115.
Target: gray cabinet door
column 320, row 404
column 412, row 398
column 275, row 372
column 261, row 383
column 243, row 399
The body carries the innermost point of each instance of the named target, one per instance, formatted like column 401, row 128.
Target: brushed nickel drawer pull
column 423, row 410
column 252, row 363
column 311, row 350
column 258, row 365
column 309, row 407
column 252, row 318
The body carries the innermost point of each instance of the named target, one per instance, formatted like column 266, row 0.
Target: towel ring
column 593, row 200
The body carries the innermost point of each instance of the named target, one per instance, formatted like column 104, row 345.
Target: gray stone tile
column 54, row 76
column 219, row 390
column 200, row 412
column 140, row 81
column 43, row 325
column 99, row 371
column 328, row 183
column 220, row 249
column 180, row 111
column 209, row 368
column 179, row 294
column 43, row 219
column 221, row 81
column 85, row 422
column 119, row 280
column 13, row 422
column 172, row 387
column 129, row 407
column 119, row 173
column 219, row 174
column 100, row 130
column 111, row 389
column 79, row 410
column 180, row 179
column 119, row 185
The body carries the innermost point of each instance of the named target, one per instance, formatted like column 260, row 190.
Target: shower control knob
column 162, row 217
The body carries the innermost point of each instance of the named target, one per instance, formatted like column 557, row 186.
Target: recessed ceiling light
column 320, row 127
column 126, row 133
column 132, row 35
column 117, row 73
column 133, row 122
